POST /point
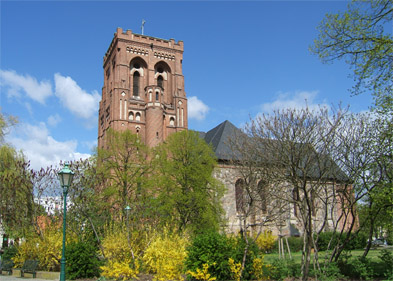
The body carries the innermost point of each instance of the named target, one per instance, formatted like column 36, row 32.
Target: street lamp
column 128, row 209
column 65, row 177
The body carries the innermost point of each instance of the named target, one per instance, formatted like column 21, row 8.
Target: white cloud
column 295, row 100
column 40, row 148
column 53, row 120
column 16, row 84
column 78, row 101
column 197, row 109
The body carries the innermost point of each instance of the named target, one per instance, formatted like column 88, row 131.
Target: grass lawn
column 297, row 256
column 374, row 268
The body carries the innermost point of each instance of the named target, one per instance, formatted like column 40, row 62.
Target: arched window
column 138, row 116
column 157, row 95
column 136, row 83
column 160, row 82
column 172, row 121
column 130, row 115
column 239, row 185
column 262, row 194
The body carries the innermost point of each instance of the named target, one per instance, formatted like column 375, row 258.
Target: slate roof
column 219, row 137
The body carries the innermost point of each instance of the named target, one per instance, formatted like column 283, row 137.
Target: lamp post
column 65, row 177
column 128, row 209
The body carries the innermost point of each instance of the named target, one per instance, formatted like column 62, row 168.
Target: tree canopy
column 362, row 36
column 188, row 192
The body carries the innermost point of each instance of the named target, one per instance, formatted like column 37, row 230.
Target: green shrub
column 387, row 259
column 9, row 253
column 213, row 249
column 330, row 271
column 356, row 268
column 389, row 236
column 253, row 251
column 357, row 241
column 325, row 238
column 283, row 268
column 295, row 244
column 82, row 260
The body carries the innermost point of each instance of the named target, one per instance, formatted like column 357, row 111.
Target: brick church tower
column 143, row 88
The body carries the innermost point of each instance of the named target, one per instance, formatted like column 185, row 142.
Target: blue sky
column 240, row 59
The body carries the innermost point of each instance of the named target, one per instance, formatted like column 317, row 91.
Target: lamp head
column 65, row 176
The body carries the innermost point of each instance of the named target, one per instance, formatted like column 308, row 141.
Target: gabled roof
column 219, row 137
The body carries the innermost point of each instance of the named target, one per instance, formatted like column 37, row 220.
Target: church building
column 144, row 92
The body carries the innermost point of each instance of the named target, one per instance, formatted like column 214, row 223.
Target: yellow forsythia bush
column 45, row 248
column 165, row 256
column 120, row 263
column 202, row 274
column 257, row 268
column 235, row 269
column 124, row 270
column 117, row 249
column 27, row 250
column 266, row 241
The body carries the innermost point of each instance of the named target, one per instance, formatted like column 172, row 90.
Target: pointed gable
column 218, row 138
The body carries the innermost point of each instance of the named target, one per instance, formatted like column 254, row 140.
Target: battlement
column 150, row 41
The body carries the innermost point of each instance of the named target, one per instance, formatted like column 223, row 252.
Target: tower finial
column 143, row 23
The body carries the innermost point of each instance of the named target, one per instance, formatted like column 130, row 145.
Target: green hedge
column 82, row 260
column 357, row 241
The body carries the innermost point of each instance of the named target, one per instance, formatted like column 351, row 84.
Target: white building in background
column 52, row 204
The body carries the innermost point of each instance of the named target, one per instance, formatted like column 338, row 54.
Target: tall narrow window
column 262, row 195
column 135, row 83
column 313, row 211
column 239, row 185
column 160, row 82
column 295, row 199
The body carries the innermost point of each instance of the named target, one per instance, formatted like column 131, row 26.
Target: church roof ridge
column 218, row 138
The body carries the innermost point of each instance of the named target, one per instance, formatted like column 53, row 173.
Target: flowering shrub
column 28, row 250
column 257, row 268
column 121, row 265
column 124, row 270
column 266, row 241
column 202, row 274
column 46, row 249
column 210, row 248
column 235, row 269
column 165, row 256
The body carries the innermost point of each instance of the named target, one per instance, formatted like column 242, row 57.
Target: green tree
column 125, row 166
column 15, row 197
column 89, row 213
column 5, row 123
column 362, row 36
column 189, row 195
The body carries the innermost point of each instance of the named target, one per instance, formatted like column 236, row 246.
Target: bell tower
column 143, row 88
